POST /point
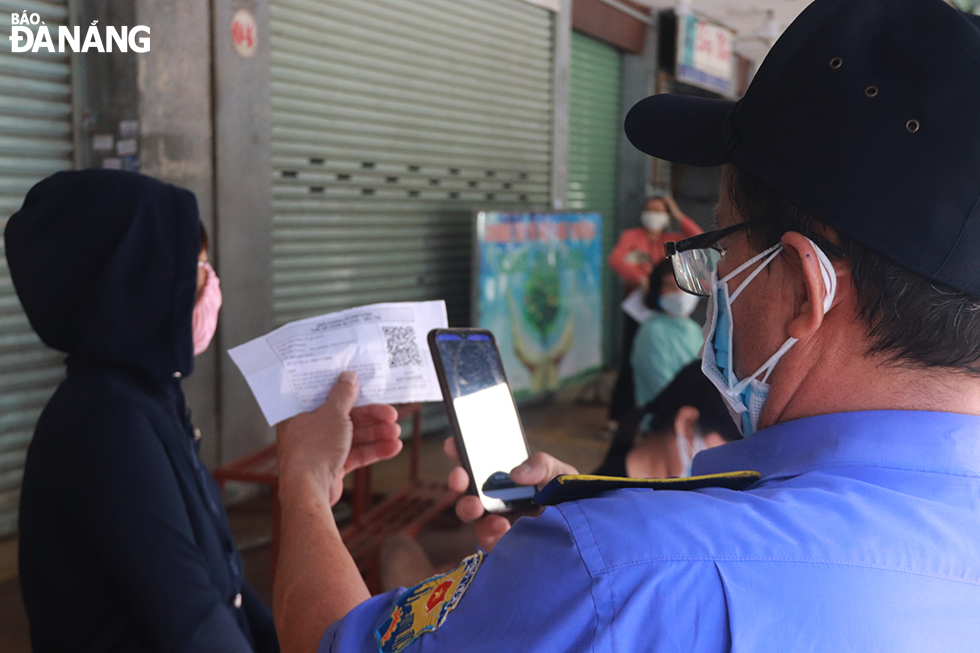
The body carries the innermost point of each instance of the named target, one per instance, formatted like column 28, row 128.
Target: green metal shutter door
column 594, row 132
column 394, row 120
column 35, row 141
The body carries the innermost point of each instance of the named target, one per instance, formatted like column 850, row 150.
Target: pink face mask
column 206, row 310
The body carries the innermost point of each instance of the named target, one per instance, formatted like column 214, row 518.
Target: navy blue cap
column 866, row 114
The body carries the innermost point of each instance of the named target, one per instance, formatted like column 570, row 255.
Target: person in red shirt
column 634, row 257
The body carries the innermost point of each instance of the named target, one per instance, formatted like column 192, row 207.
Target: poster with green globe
column 540, row 293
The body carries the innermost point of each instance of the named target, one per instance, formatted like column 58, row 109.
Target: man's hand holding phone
column 487, row 434
column 538, row 470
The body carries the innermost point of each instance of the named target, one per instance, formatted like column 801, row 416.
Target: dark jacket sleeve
column 121, row 487
column 260, row 621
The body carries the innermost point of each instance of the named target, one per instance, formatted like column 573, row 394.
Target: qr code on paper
column 402, row 348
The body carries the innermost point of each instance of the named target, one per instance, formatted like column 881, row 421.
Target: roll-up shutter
column 593, row 118
column 35, row 141
column 393, row 121
column 594, row 131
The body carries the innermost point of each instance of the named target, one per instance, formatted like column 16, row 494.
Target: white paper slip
column 292, row 369
column 635, row 308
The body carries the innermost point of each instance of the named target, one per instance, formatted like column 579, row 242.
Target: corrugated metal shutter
column 593, row 126
column 594, row 132
column 393, row 121
column 35, row 141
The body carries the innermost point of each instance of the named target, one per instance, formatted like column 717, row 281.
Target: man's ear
column 809, row 313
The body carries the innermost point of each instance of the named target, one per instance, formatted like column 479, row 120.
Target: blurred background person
column 636, row 253
column 667, row 340
column 124, row 542
column 686, row 417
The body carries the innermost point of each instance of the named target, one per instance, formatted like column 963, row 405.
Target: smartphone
column 482, row 415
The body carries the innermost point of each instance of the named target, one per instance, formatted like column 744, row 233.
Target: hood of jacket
column 105, row 265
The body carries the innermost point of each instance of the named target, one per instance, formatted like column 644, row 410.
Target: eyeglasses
column 695, row 258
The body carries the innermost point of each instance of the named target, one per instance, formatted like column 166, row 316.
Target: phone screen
column 487, row 417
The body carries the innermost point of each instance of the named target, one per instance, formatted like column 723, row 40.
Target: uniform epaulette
column 572, row 487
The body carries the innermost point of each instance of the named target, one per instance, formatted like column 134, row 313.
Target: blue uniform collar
column 941, row 442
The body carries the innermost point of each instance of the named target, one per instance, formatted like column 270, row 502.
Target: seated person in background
column 668, row 340
column 689, row 416
column 636, row 253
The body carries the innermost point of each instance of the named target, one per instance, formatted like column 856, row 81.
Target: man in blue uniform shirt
column 844, row 333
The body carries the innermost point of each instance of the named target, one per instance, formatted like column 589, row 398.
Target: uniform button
column 197, row 434
column 238, row 600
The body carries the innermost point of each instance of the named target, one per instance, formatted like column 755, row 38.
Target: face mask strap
column 772, row 253
column 766, row 367
column 771, row 363
column 732, row 394
column 830, row 286
column 829, row 276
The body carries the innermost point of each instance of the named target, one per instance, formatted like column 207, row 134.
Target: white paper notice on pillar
column 244, row 33
column 129, row 128
column 291, row 369
column 102, row 142
column 126, row 147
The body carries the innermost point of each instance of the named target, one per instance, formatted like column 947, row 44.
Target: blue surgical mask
column 745, row 398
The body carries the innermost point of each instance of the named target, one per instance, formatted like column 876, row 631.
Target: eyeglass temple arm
column 701, row 240
column 710, row 238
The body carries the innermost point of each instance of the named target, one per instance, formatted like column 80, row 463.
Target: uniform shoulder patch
column 424, row 608
column 572, row 487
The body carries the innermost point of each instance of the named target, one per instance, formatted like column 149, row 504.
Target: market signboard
column 705, row 55
column 539, row 290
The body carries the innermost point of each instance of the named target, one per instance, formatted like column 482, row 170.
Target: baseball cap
column 866, row 114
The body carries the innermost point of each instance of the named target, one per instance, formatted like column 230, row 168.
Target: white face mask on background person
column 655, row 220
column 679, row 304
column 746, row 398
column 687, row 451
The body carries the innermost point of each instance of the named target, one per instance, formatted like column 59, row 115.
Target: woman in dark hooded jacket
column 124, row 542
